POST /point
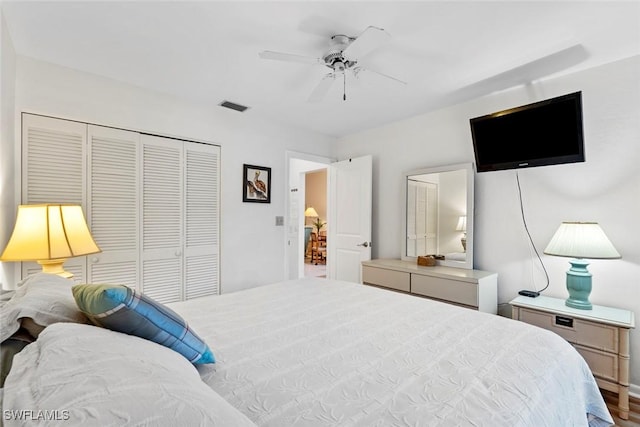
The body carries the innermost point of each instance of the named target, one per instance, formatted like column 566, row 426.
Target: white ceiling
column 207, row 51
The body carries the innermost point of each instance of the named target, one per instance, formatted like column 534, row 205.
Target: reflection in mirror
column 439, row 214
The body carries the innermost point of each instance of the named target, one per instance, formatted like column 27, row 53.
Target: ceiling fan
column 342, row 55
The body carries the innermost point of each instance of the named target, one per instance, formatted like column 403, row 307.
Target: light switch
column 279, row 220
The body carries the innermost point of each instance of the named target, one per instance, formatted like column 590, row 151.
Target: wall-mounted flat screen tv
column 543, row 133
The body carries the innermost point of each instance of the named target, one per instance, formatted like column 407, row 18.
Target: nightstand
column 600, row 335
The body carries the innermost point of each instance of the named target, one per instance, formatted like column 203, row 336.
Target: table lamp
column 49, row 234
column 310, row 212
column 462, row 226
column 580, row 240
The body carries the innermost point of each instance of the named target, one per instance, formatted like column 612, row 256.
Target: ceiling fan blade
column 370, row 39
column 322, row 88
column 357, row 71
column 278, row 56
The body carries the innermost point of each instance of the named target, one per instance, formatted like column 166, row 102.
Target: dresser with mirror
column 437, row 221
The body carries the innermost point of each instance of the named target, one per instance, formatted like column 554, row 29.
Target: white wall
column 7, row 136
column 252, row 246
column 606, row 188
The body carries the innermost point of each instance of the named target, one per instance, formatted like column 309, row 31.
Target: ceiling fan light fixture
column 343, row 54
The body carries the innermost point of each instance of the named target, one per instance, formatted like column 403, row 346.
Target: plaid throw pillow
column 122, row 309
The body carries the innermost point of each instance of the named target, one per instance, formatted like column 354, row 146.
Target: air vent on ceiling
column 233, row 106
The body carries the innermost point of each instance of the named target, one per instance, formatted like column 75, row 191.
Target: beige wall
column 316, row 193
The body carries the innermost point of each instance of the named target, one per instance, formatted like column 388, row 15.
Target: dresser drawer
column 387, row 278
column 603, row 365
column 576, row 331
column 445, row 289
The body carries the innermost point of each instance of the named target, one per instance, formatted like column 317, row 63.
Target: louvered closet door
column 202, row 212
column 162, row 218
column 421, row 219
column 53, row 171
column 412, row 187
column 431, row 218
column 113, row 208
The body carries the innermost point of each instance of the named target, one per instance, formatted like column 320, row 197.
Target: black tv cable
column 525, row 292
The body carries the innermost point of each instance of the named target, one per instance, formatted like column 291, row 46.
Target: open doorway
column 315, row 224
column 299, row 165
column 349, row 185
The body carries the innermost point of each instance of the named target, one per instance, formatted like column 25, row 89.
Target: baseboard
column 634, row 391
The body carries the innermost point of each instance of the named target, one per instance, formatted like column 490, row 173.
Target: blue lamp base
column 579, row 285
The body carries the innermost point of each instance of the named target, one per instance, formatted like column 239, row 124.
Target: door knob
column 365, row 244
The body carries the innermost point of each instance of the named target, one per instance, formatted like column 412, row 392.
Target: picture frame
column 256, row 184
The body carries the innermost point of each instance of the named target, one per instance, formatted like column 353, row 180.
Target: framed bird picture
column 256, row 184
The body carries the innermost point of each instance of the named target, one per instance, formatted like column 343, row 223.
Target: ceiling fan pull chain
column 344, row 86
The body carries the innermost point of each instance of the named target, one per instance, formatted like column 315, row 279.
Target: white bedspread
column 314, row 352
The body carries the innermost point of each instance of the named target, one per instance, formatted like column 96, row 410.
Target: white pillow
column 95, row 376
column 44, row 298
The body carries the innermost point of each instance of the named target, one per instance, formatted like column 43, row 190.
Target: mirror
column 438, row 214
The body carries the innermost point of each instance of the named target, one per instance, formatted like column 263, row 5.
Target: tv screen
column 543, row 133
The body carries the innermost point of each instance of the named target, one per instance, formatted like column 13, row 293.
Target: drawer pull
column 564, row 321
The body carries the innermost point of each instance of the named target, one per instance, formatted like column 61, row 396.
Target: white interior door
column 349, row 225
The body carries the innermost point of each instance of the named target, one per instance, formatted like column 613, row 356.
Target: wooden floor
column 634, row 414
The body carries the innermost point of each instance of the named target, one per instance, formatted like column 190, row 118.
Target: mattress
column 316, row 352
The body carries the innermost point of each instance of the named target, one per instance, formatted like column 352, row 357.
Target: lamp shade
column 49, row 232
column 581, row 240
column 310, row 212
column 462, row 223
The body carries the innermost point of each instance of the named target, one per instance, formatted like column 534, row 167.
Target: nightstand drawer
column 448, row 290
column 603, row 365
column 547, row 321
column 595, row 335
column 388, row 278
column 576, row 331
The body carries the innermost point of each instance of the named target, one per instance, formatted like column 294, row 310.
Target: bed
column 312, row 352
